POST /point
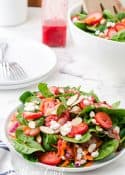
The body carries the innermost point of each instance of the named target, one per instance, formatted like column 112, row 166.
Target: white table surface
column 32, row 29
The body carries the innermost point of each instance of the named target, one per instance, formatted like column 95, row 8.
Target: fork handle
column 4, row 47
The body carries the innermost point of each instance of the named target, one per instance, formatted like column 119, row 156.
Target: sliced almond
column 76, row 121
column 78, row 100
column 75, row 110
column 46, row 130
column 39, row 139
column 72, row 100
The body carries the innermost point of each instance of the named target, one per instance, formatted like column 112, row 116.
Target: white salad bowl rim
column 48, row 167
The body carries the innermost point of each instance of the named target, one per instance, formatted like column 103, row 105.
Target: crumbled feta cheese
column 117, row 129
column 97, row 32
column 83, row 161
column 93, row 121
column 78, row 136
column 75, row 19
column 54, row 125
column 79, row 153
column 76, row 121
column 65, row 129
column 92, row 114
column 39, row 139
column 91, row 147
column 95, row 154
column 102, row 21
column 63, row 158
column 86, row 102
column 30, row 107
column 32, row 124
column 110, row 24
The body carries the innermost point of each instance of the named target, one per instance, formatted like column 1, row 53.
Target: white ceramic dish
column 107, row 55
column 35, row 58
column 37, row 167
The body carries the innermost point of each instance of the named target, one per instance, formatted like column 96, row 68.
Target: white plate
column 35, row 58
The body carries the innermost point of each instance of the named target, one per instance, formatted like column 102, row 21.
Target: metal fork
column 10, row 70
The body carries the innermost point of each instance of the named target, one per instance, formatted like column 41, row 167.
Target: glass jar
column 54, row 22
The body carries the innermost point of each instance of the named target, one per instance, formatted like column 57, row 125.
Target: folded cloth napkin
column 5, row 161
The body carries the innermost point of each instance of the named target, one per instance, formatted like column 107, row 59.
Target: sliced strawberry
column 79, row 129
column 32, row 115
column 104, row 120
column 111, row 32
column 119, row 27
column 50, row 158
column 54, row 90
column 93, row 18
column 49, row 119
column 64, row 118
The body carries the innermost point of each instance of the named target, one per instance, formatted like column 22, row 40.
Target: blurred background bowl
column 107, row 55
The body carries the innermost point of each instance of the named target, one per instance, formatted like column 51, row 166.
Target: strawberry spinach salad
column 66, row 127
column 104, row 25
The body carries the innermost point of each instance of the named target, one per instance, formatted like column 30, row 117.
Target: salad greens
column 66, row 126
column 105, row 25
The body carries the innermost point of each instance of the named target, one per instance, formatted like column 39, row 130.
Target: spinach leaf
column 107, row 149
column 33, row 99
column 86, row 110
column 116, row 105
column 26, row 148
column 21, row 119
column 30, row 157
column 25, row 144
column 120, row 16
column 63, row 100
column 102, row 27
column 43, row 88
column 80, row 25
column 86, row 137
column 108, row 15
column 91, row 28
column 20, row 109
column 39, row 122
column 25, row 95
column 117, row 115
column 61, row 109
column 120, row 36
column 122, row 133
column 48, row 141
column 82, row 16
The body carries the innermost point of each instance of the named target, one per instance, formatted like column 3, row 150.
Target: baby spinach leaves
column 25, row 144
column 21, row 119
column 120, row 36
column 107, row 149
column 48, row 141
column 43, row 88
column 86, row 137
column 25, row 95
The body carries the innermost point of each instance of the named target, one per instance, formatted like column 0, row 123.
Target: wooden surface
column 34, row 3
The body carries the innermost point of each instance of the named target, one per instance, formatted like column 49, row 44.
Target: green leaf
column 117, row 115
column 120, row 36
column 33, row 99
column 26, row 144
column 63, row 100
column 120, row 16
column 25, row 95
column 116, row 105
column 48, row 141
column 30, row 157
column 86, row 110
column 107, row 149
column 91, row 28
column 91, row 93
column 82, row 16
column 122, row 133
column 102, row 27
column 61, row 109
column 40, row 122
column 20, row 109
column 44, row 90
column 86, row 137
column 21, row 119
column 26, row 148
column 108, row 15
column 80, row 25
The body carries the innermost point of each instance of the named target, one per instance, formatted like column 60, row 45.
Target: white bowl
column 107, row 55
column 23, row 166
